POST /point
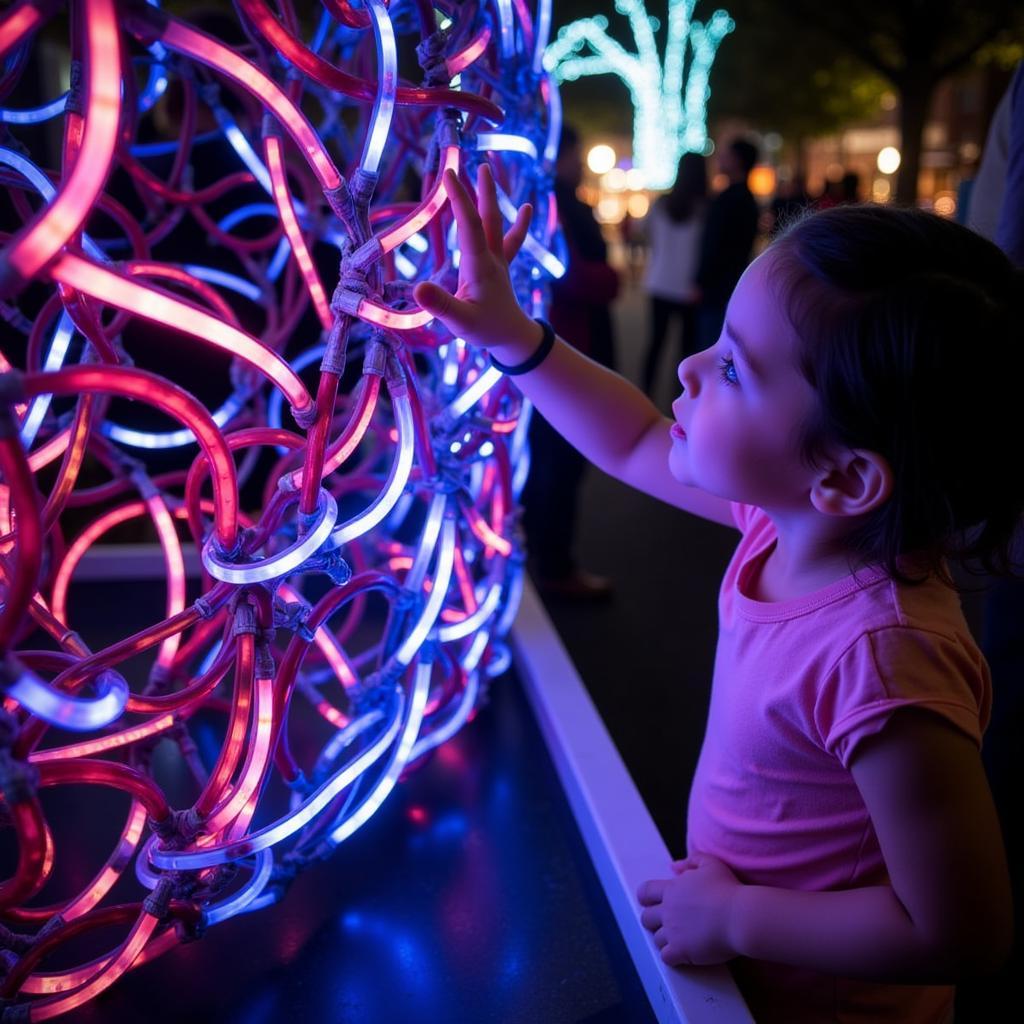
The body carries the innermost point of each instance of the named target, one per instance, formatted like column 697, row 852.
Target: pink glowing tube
column 427, row 210
column 174, row 565
column 290, row 223
column 21, row 21
column 190, row 41
column 116, row 966
column 124, row 293
column 39, row 241
column 327, row 74
column 171, row 399
column 469, row 53
column 30, row 828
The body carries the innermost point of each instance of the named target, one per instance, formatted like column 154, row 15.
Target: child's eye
column 727, row 371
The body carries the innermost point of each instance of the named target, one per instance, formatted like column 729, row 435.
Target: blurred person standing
column 728, row 242
column 580, row 313
column 674, row 229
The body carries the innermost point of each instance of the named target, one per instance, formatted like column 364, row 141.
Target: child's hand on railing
column 484, row 310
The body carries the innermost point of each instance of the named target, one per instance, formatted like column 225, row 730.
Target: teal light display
column 669, row 96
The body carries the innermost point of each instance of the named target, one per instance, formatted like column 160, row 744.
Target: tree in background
column 913, row 44
column 669, row 97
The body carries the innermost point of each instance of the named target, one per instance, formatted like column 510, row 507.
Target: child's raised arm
column 600, row 413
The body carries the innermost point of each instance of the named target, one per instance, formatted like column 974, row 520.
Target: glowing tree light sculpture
column 398, row 480
column 670, row 114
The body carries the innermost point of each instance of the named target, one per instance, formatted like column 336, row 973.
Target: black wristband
column 547, row 343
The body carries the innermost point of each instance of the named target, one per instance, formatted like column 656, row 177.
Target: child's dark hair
column 910, row 331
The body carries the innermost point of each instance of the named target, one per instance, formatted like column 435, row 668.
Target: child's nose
column 687, row 373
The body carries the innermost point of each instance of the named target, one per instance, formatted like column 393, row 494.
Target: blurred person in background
column 674, row 229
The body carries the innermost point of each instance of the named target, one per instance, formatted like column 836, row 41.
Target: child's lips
column 676, row 430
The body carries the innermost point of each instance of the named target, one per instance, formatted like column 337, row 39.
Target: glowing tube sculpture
column 398, row 477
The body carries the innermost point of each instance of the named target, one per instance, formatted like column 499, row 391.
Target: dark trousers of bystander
column 663, row 312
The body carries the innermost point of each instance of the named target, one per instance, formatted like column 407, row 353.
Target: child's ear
column 852, row 483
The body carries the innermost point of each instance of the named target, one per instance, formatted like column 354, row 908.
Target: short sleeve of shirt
column 744, row 515
column 893, row 668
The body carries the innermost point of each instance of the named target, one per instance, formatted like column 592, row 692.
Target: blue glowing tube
column 511, row 606
column 438, row 591
column 506, row 143
column 387, row 73
column 59, row 345
column 281, row 254
column 445, row 731
column 291, row 823
column 36, row 114
column 452, row 361
column 475, row 651
column 399, row 759
column 547, row 259
column 284, row 562
column 147, row 149
column 77, row 713
column 336, row 744
column 365, row 810
column 234, row 283
column 42, row 184
column 235, row 217
column 241, row 900
column 397, row 479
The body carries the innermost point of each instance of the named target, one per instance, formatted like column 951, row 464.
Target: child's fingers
column 650, row 918
column 472, row 240
column 487, row 206
column 516, row 235
column 649, row 893
column 679, row 866
column 455, row 314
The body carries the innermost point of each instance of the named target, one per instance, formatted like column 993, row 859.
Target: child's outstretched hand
column 484, row 309
column 689, row 915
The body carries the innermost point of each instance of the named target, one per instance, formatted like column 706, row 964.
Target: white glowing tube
column 240, row 901
column 445, row 732
column 471, row 623
column 543, row 35
column 547, row 259
column 284, row 562
column 387, row 73
column 287, row 826
column 404, row 266
column 240, row 144
column 471, row 658
column 54, row 360
column 468, row 398
column 397, row 479
column 508, row 41
column 452, row 359
column 155, row 441
column 554, row 123
column 428, row 541
column 77, row 713
column 387, row 781
column 507, row 143
column 438, row 591
column 511, row 606
column 336, row 744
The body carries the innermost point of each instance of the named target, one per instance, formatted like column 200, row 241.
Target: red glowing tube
column 71, row 464
column 123, row 738
column 107, row 773
column 149, row 268
column 283, row 199
column 171, row 399
column 21, row 20
column 174, row 565
column 234, row 740
column 356, row 88
column 38, row 242
column 184, row 39
column 481, row 529
column 120, row 291
column 25, row 503
column 29, row 876
column 313, row 466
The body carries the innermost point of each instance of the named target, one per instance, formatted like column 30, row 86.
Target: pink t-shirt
column 798, row 684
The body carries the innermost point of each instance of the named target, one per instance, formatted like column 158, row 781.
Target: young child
column 857, row 422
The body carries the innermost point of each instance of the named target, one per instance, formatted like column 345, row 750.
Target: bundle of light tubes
column 376, row 579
